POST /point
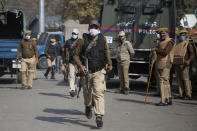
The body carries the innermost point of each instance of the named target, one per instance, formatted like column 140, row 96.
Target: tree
column 3, row 2
column 82, row 10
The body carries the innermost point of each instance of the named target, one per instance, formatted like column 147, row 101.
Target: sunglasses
column 93, row 27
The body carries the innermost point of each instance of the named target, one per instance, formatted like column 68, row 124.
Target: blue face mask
column 74, row 36
column 182, row 38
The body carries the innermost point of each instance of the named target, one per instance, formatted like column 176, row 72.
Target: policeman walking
column 69, row 48
column 51, row 54
column 183, row 56
column 165, row 53
column 94, row 49
column 29, row 57
column 124, row 53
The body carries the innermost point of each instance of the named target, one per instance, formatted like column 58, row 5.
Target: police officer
column 69, row 48
column 164, row 52
column 94, row 48
column 124, row 53
column 183, row 56
column 29, row 57
column 51, row 54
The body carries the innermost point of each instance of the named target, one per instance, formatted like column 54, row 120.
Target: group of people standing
column 90, row 55
column 179, row 54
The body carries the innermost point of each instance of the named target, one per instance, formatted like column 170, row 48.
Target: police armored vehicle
column 139, row 19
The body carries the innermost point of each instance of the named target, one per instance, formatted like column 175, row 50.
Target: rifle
column 87, row 74
column 86, row 79
column 79, row 85
column 66, row 68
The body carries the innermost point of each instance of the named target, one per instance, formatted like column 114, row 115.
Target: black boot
column 47, row 72
column 99, row 121
column 170, row 101
column 88, row 112
column 72, row 93
column 53, row 73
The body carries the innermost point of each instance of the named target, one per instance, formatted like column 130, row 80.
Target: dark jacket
column 51, row 51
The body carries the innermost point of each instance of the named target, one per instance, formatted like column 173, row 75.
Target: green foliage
column 82, row 10
column 4, row 1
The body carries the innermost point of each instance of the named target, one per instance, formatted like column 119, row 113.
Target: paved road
column 48, row 107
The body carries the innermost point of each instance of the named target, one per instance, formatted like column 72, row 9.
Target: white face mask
column 94, row 32
column 27, row 37
column 53, row 43
column 158, row 36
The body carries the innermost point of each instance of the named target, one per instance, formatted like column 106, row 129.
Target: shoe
column 161, row 104
column 72, row 93
column 188, row 98
column 23, row 87
column 170, row 101
column 99, row 121
column 179, row 97
column 47, row 72
column 52, row 77
column 29, row 87
column 121, row 91
column 35, row 79
column 126, row 91
column 88, row 112
column 45, row 76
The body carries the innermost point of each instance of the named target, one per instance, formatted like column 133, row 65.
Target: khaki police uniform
column 97, row 84
column 29, row 56
column 165, row 54
column 124, row 53
column 183, row 52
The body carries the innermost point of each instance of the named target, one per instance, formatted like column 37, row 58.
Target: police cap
column 121, row 33
column 52, row 40
column 27, row 32
column 76, row 31
column 183, row 31
column 163, row 29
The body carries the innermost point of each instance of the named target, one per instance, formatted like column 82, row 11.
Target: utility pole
column 41, row 12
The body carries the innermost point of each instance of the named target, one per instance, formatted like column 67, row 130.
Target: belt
column 27, row 57
column 95, row 70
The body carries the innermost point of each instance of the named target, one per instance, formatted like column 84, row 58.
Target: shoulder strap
column 91, row 44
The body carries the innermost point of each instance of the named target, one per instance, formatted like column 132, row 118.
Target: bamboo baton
column 148, row 85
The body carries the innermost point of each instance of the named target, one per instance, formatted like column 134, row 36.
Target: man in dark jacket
column 69, row 48
column 92, row 55
column 51, row 55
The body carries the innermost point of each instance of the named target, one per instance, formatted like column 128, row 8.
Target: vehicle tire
column 42, row 62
